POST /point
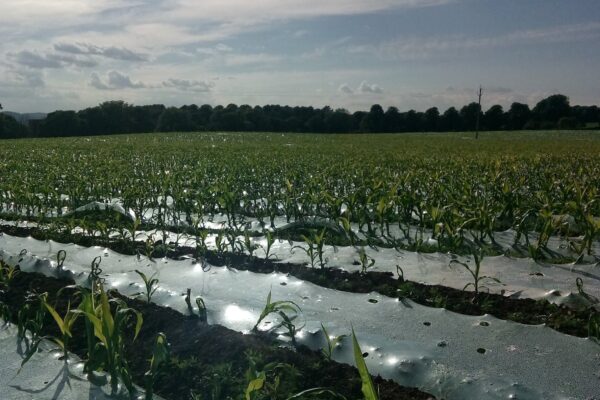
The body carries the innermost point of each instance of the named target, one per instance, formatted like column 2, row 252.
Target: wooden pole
column 478, row 113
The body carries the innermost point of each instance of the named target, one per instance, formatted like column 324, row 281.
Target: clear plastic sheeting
column 45, row 376
column 519, row 277
column 449, row 355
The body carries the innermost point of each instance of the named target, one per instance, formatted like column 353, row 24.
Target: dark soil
column 526, row 311
column 210, row 360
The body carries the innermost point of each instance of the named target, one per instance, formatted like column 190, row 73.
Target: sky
column 411, row 54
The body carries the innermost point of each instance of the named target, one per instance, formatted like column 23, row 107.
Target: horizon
column 441, row 110
column 344, row 54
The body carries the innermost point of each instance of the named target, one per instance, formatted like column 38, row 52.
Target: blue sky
column 416, row 54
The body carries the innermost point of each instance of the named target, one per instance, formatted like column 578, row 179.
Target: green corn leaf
column 367, row 388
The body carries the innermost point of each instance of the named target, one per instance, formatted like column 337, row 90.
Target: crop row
column 446, row 194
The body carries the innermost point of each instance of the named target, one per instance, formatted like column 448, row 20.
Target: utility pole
column 478, row 112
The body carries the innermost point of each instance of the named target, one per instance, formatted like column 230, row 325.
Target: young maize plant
column 202, row 310
column 150, row 284
column 281, row 308
column 366, row 261
column 475, row 273
column 65, row 325
column 594, row 326
column 249, row 244
column 60, row 259
column 7, row 274
column 109, row 326
column 368, row 389
column 314, row 248
column 160, row 355
column 331, row 341
column 347, row 228
column 30, row 318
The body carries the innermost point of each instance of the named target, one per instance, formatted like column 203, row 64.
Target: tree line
column 112, row 117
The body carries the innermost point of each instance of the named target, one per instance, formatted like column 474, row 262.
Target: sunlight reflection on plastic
column 233, row 313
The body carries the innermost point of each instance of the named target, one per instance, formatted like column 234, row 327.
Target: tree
column 374, row 121
column 174, row 119
column 63, row 123
column 568, row 123
column 450, row 120
column 552, row 108
column 469, row 115
column 392, row 120
column 432, row 119
column 494, row 118
column 412, row 121
column 339, row 121
column 11, row 128
column 518, row 115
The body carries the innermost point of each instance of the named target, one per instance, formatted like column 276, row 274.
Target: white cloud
column 117, row 53
column 366, row 87
column 188, row 85
column 218, row 49
column 170, row 22
column 34, row 60
column 115, row 80
column 251, row 59
column 345, row 88
column 425, row 47
column 300, row 33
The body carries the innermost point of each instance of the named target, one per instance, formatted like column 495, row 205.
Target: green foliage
column 150, row 283
column 458, row 192
column 160, row 355
column 7, row 274
column 268, row 380
column 475, row 272
column 332, row 342
column 270, row 240
column 366, row 261
column 109, row 325
column 202, row 310
column 284, row 309
column 368, row 389
column 314, row 247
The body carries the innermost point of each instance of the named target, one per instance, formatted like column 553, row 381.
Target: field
column 462, row 268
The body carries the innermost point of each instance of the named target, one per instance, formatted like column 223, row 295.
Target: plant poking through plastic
column 96, row 271
column 109, row 329
column 150, row 283
column 249, row 245
column 594, row 319
column 594, row 326
column 60, row 259
column 368, row 389
column 31, row 318
column 366, row 261
column 269, row 382
column 476, row 272
column 332, row 342
column 314, row 247
column 287, row 310
column 270, row 240
column 7, row 274
column 160, row 355
column 65, row 325
column 202, row 311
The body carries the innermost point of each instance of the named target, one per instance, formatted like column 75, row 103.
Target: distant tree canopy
column 111, row 117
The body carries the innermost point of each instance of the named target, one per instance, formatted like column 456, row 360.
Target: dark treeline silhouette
column 553, row 112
